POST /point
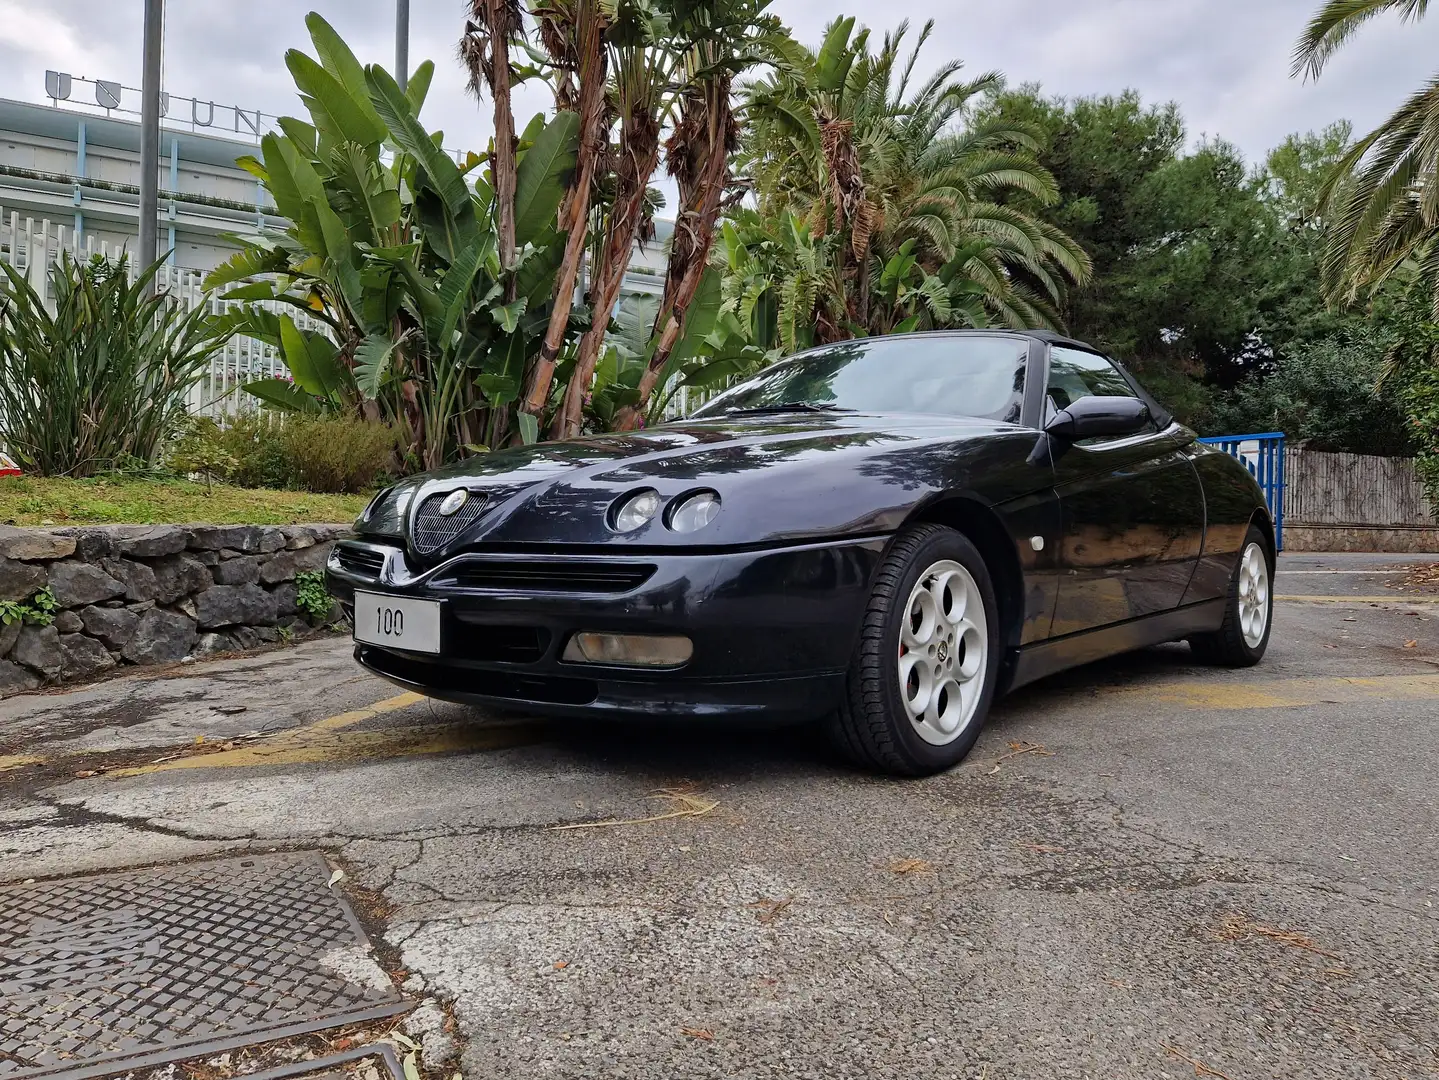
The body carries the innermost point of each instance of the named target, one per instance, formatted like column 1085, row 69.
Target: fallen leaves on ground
column 560, row 965
column 1238, row 927
column 1044, row 849
column 1200, row 1069
column 769, row 910
column 1421, row 576
column 911, row 866
column 1411, row 644
column 686, row 804
column 1118, row 983
column 703, row 1034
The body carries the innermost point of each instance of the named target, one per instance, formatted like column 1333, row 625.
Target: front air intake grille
column 363, row 562
column 549, row 576
column 433, row 530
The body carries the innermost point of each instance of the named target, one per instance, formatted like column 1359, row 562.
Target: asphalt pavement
column 1147, row 868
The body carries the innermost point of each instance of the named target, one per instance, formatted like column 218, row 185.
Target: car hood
column 779, row 477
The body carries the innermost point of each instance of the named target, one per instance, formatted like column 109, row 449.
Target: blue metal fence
column 1263, row 456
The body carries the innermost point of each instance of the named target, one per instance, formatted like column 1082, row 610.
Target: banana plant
column 393, row 251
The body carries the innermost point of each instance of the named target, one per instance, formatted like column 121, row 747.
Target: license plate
column 397, row 622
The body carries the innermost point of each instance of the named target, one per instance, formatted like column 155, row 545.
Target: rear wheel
column 1243, row 637
column 923, row 674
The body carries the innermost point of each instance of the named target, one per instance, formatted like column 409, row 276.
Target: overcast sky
column 1226, row 62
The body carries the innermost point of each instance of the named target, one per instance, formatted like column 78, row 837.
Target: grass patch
column 28, row 500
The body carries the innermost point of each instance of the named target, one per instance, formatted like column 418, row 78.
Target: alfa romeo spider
column 882, row 535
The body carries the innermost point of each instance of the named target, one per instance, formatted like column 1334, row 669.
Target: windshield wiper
column 787, row 406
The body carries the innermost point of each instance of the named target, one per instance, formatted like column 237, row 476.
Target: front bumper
column 773, row 630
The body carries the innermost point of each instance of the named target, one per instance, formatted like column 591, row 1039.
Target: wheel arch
column 1265, row 524
column 982, row 526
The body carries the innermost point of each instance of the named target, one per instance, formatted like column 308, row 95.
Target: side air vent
column 434, row 530
column 363, row 562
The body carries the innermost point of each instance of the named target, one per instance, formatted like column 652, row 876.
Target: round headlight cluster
column 637, row 510
column 686, row 514
column 694, row 512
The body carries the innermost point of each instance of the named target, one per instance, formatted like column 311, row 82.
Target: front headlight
column 694, row 512
column 637, row 510
column 385, row 516
column 374, row 504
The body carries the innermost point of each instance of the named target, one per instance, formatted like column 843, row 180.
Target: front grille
column 364, row 562
column 495, row 642
column 433, row 530
column 542, row 575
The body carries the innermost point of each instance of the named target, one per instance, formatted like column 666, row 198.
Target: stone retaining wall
column 150, row 594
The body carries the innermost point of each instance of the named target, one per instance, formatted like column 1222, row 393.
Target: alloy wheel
column 943, row 652
column 1253, row 595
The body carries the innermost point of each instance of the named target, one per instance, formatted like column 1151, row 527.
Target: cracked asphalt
column 1146, row 869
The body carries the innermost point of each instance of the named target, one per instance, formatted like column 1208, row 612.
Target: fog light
column 632, row 650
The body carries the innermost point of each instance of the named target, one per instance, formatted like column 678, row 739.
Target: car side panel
column 1231, row 497
column 1133, row 530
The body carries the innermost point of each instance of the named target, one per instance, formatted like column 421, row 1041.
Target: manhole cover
column 115, row 971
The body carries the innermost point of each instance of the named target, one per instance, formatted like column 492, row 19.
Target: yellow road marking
column 1394, row 599
column 19, row 761
column 326, row 740
column 1285, row 693
column 304, row 748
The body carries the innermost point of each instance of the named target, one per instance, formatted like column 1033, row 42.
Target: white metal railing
column 31, row 246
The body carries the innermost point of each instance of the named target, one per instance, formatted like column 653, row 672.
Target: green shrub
column 253, row 440
column 104, row 380
column 326, row 455
column 334, row 454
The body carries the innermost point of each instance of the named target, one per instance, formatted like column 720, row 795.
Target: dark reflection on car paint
column 1133, row 530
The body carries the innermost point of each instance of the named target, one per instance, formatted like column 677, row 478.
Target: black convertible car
column 884, row 533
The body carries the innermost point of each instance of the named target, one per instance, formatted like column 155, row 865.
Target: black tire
column 1227, row 647
column 872, row 728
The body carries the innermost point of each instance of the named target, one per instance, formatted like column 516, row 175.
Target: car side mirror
column 1097, row 417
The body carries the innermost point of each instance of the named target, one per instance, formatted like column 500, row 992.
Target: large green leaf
column 535, row 274
column 373, row 357
column 282, row 394
column 835, row 55
column 312, row 360
column 245, row 264
column 455, row 288
column 419, row 86
column 529, row 428
column 507, row 316
column 340, row 62
column 700, row 317
column 278, row 151
column 335, row 111
column 395, row 109
column 303, row 135
column 543, row 175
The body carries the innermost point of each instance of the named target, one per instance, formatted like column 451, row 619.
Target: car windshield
column 942, row 374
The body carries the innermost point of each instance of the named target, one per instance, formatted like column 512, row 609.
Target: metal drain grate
column 117, row 971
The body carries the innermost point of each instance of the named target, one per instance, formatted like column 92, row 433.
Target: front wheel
column 924, row 671
column 1243, row 637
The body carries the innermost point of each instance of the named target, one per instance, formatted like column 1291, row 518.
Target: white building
column 70, row 180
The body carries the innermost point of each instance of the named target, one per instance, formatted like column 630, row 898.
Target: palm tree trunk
column 485, row 51
column 574, row 217
column 639, row 148
column 504, row 162
column 699, row 158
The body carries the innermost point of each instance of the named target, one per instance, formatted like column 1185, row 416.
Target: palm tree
column 846, row 143
column 1382, row 200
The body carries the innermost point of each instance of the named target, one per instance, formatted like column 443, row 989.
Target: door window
column 1075, row 374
